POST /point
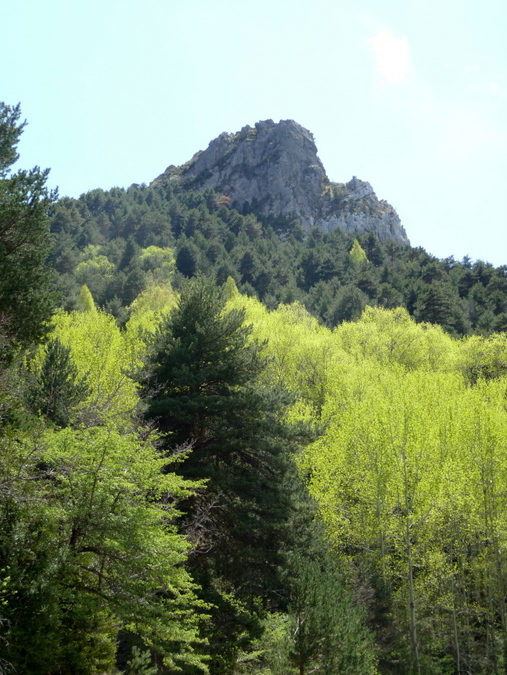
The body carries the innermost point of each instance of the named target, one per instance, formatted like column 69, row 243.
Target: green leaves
column 87, row 509
column 102, row 356
column 357, row 253
column 410, row 480
column 88, row 532
column 116, row 513
column 409, row 473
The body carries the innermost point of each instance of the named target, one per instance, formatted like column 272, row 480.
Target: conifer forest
column 235, row 446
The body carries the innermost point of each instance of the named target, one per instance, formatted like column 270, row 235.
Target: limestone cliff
column 273, row 170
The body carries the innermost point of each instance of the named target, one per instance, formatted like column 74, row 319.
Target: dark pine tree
column 187, row 259
column 25, row 280
column 434, row 306
column 206, row 390
column 56, row 389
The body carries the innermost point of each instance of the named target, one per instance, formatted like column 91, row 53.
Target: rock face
column 273, row 170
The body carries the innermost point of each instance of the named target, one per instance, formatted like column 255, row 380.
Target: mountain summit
column 273, row 170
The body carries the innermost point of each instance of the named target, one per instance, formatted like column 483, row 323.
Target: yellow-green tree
column 88, row 539
column 101, row 353
column 357, row 253
column 410, row 479
column 87, row 506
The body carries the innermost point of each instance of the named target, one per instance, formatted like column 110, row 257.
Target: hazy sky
column 410, row 95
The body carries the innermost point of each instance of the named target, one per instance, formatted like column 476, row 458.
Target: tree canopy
column 242, row 448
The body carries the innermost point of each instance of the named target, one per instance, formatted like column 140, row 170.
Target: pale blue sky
column 410, row 95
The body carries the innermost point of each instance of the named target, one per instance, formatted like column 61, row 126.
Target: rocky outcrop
column 273, row 170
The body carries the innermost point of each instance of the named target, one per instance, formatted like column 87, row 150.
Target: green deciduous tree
column 105, row 357
column 87, row 516
column 87, row 532
column 357, row 253
column 392, row 337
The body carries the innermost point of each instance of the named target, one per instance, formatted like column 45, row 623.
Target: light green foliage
column 376, row 424
column 147, row 311
column 410, row 473
column 85, row 301
column 97, row 266
column 101, row 354
column 374, row 474
column 95, row 271
column 230, row 288
column 301, row 351
column 86, row 516
column 112, row 519
column 411, row 481
column 93, row 508
column 154, row 299
column 392, row 337
column 357, row 253
column 158, row 263
column 483, row 358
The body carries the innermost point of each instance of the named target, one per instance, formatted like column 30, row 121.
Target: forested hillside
column 120, row 242
column 234, row 447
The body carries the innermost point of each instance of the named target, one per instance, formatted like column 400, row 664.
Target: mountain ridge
column 273, row 170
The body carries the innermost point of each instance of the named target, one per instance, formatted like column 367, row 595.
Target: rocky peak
column 272, row 169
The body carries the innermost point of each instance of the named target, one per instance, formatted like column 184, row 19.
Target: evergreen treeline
column 193, row 479
column 120, row 242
